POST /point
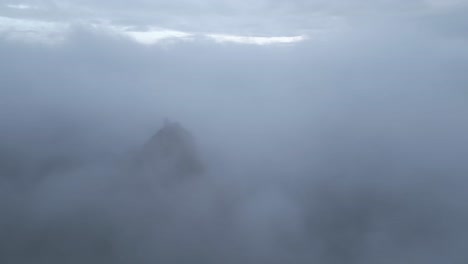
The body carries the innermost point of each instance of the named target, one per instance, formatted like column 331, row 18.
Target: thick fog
column 348, row 147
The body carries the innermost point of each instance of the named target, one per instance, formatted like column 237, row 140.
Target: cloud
column 32, row 30
column 259, row 18
column 20, row 6
column 255, row 40
column 155, row 36
column 345, row 148
column 223, row 17
column 55, row 33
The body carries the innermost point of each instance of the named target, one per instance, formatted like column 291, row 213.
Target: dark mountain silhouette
column 170, row 154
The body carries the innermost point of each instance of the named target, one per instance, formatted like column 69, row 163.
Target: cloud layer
column 257, row 18
column 348, row 147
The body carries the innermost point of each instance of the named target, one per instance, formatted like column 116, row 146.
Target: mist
column 348, row 148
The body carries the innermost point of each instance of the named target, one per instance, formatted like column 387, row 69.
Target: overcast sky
column 332, row 131
column 154, row 20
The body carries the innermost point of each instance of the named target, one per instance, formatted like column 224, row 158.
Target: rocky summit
column 170, row 154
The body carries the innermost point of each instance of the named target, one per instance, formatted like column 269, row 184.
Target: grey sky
column 346, row 144
column 257, row 18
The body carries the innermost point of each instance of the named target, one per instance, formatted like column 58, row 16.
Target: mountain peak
column 171, row 153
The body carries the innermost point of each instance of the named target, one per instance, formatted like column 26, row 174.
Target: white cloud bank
column 20, row 6
column 221, row 38
column 54, row 32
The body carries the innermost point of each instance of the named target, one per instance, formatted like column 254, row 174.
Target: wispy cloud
column 32, row 30
column 55, row 32
column 21, row 6
column 154, row 36
column 221, row 38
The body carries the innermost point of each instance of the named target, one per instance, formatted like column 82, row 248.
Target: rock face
column 170, row 154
